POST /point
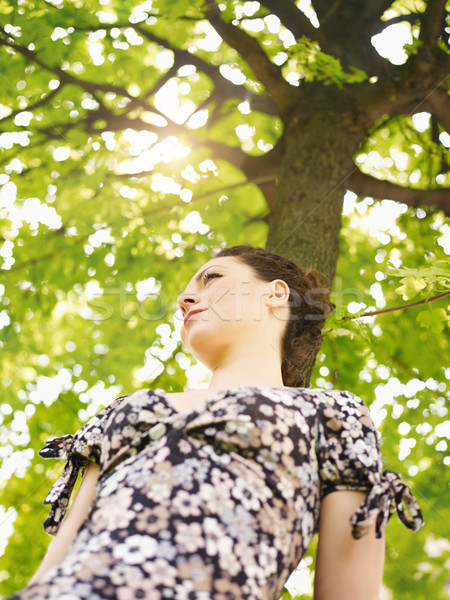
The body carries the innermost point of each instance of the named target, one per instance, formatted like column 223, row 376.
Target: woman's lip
column 192, row 313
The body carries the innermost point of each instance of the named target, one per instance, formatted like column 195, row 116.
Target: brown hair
column 309, row 306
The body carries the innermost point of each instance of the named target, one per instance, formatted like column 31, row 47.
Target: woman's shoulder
column 336, row 404
column 329, row 396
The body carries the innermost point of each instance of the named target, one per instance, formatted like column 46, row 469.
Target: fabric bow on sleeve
column 387, row 495
column 60, row 493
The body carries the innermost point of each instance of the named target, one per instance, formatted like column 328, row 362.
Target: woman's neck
column 261, row 370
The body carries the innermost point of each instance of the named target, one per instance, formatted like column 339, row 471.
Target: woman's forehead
column 227, row 263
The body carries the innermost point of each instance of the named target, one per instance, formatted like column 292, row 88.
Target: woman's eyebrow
column 199, row 276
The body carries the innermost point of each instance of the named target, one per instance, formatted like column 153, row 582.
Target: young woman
column 217, row 493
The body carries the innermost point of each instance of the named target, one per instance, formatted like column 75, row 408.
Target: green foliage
column 406, row 151
column 413, row 281
column 171, row 10
column 433, row 319
column 319, row 66
column 435, row 278
column 399, row 369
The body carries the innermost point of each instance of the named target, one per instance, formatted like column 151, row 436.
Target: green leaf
column 433, row 319
column 317, row 65
column 5, row 7
column 340, row 331
column 410, row 287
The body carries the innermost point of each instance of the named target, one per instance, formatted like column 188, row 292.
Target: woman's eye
column 210, row 276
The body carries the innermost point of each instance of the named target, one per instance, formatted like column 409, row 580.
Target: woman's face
column 233, row 308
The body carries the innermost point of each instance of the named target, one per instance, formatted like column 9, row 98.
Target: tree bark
column 320, row 142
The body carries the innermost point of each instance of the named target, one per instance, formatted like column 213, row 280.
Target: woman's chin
column 205, row 345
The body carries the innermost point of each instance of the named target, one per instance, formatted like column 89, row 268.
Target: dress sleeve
column 350, row 459
column 80, row 449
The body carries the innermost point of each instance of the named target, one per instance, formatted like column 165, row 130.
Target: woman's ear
column 278, row 293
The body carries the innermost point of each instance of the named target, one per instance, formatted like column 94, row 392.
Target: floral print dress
column 218, row 503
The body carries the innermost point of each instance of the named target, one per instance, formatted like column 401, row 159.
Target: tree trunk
column 320, row 141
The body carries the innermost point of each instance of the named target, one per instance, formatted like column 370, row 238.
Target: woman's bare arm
column 72, row 522
column 346, row 569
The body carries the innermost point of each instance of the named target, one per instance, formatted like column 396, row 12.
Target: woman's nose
column 186, row 301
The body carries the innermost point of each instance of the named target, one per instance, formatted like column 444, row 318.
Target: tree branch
column 432, row 24
column 291, row 17
column 407, row 89
column 333, row 10
column 91, row 87
column 58, row 131
column 261, row 102
column 258, row 181
column 64, row 77
column 267, row 165
column 42, row 102
column 258, row 169
column 346, row 27
column 294, row 20
column 439, row 105
column 8, row 156
column 55, row 252
column 262, row 170
column 410, row 18
column 365, row 185
column 283, row 94
column 394, row 308
column 231, row 154
column 375, row 9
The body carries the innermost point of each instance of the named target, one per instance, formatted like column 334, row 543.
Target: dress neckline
column 163, row 395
